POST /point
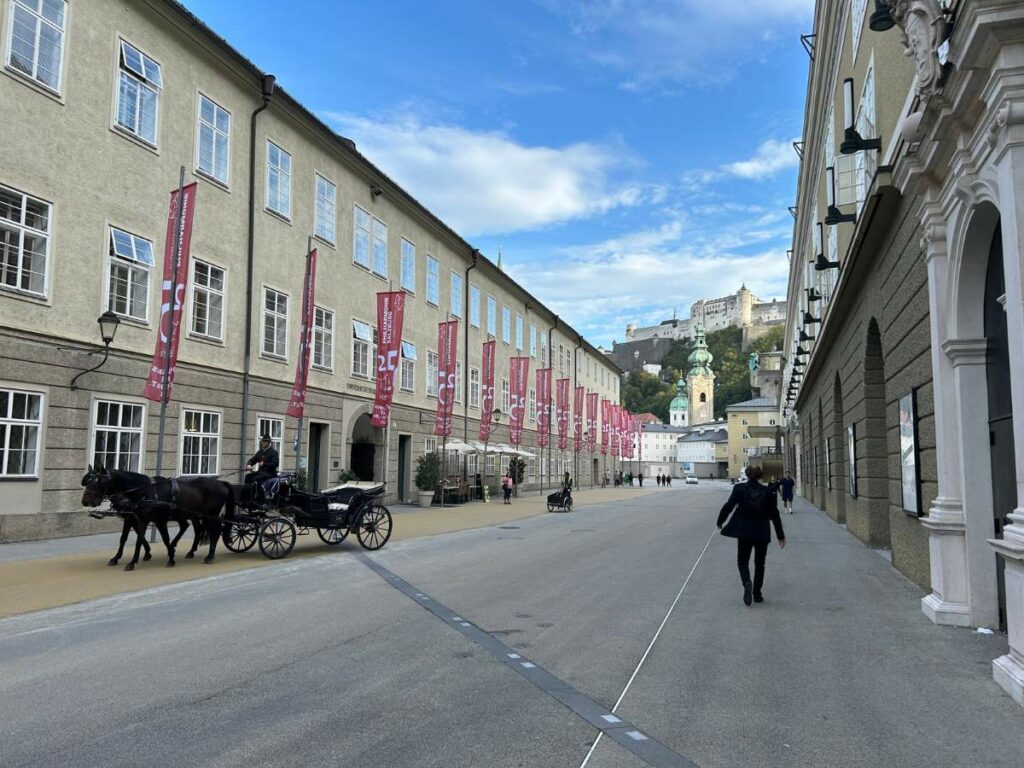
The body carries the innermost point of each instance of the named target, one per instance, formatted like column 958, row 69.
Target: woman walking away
column 752, row 506
column 506, row 487
column 786, row 489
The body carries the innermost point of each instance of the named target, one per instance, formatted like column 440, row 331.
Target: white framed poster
column 828, row 463
column 909, row 476
column 851, row 451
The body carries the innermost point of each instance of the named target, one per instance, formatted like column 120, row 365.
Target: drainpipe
column 267, row 87
column 465, row 384
column 551, row 394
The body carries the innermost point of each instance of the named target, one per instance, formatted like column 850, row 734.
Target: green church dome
column 701, row 358
column 680, row 402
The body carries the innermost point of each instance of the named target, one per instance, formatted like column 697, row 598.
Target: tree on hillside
column 771, row 341
column 644, row 392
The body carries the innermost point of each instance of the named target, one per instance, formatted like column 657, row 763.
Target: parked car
column 691, row 480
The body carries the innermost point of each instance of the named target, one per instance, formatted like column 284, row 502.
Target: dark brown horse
column 140, row 500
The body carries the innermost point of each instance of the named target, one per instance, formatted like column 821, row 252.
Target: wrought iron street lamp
column 108, row 323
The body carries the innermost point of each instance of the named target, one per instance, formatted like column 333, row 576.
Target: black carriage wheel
column 374, row 527
column 332, row 536
column 551, row 507
column 568, row 505
column 277, row 538
column 240, row 537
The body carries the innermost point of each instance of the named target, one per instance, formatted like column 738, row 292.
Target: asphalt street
column 506, row 646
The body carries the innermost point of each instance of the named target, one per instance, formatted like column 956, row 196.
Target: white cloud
column 486, row 182
column 770, row 158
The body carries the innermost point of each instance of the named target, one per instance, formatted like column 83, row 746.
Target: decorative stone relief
column 923, row 29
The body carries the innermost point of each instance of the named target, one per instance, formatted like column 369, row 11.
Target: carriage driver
column 263, row 465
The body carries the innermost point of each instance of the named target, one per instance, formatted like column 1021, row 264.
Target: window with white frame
column 505, row 396
column 364, row 348
column 456, row 297
column 407, row 375
column 362, row 226
column 458, row 381
column 433, row 281
column 138, row 93
column 208, row 286
column 213, row 140
column 430, row 444
column 275, row 323
column 857, row 13
column 544, row 348
column 380, row 247
column 471, row 465
column 118, row 435
column 865, row 162
column 323, row 338
column 519, row 333
column 531, row 468
column 37, row 40
column 533, row 341
column 324, row 225
column 492, row 316
column 272, row 427
column 432, row 365
column 24, row 242
column 531, row 405
column 279, row 180
column 129, row 262
column 474, row 306
column 490, row 464
column 474, row 387
column 506, row 325
column 200, row 443
column 21, row 422
column 408, row 277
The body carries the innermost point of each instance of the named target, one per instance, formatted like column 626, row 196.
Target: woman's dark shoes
column 758, row 598
column 748, row 591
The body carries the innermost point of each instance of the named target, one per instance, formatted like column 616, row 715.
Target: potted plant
column 428, row 477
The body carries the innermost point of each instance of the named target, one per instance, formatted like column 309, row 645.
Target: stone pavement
column 45, row 574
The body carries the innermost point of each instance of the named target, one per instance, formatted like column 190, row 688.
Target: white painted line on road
column 464, row 623
column 636, row 736
column 457, row 618
column 527, row 665
column 611, row 719
column 653, row 641
column 514, row 656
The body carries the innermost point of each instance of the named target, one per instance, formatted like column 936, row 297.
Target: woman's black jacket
column 755, row 505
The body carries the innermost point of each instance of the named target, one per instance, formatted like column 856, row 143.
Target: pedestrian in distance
column 786, row 489
column 506, row 487
column 658, row 479
column 668, row 480
column 640, row 477
column 750, row 511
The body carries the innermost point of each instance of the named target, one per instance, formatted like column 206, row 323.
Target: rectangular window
column 275, row 323
column 138, row 93
column 380, row 247
column 200, row 443
column 544, row 348
column 456, row 297
column 24, row 242
column 37, row 40
column 208, row 285
column 117, row 435
column 430, row 444
column 268, row 425
column 458, row 381
column 21, row 420
column 130, row 258
column 506, row 325
column 362, row 338
column 433, row 281
column 326, row 210
column 857, row 13
column 531, row 405
column 474, row 306
column 279, row 180
column 471, row 466
column 408, row 266
column 490, row 465
column 323, row 338
column 533, row 341
column 492, row 316
column 865, row 162
column 519, row 332
column 505, row 396
column 213, row 140
column 474, row 387
column 432, row 363
column 407, row 380
column 361, row 247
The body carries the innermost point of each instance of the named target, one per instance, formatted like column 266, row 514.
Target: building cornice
column 966, row 351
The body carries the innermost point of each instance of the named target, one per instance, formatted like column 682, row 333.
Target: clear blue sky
column 630, row 156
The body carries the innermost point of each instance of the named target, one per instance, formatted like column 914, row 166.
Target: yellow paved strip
column 33, row 585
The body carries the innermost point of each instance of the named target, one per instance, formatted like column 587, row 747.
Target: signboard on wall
column 909, row 478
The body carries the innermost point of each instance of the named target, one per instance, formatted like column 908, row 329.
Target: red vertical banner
column 591, row 421
column 616, row 435
column 562, row 412
column 169, row 326
column 606, row 418
column 487, row 389
column 297, row 402
column 543, row 407
column 577, row 418
column 627, row 434
column 447, row 352
column 390, row 314
column 519, row 373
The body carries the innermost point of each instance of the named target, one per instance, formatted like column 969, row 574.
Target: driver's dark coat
column 755, row 506
column 265, row 459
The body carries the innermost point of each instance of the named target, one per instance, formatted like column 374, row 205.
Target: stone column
column 1007, row 140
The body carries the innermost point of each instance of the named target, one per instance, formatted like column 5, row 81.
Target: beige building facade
column 112, row 97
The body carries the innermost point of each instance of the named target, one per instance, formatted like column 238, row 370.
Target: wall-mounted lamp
column 853, row 142
column 834, row 215
column 809, row 318
column 375, row 191
column 792, row 211
column 801, row 352
column 812, row 294
column 881, row 19
column 804, row 336
column 108, row 323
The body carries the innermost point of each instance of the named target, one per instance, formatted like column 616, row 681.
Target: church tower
column 700, row 381
column 679, row 408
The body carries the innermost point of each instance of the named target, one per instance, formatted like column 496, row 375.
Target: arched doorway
column 362, row 460
column 1000, row 404
column 868, row 517
column 824, row 465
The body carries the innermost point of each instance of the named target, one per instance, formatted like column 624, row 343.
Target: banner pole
column 303, row 341
column 387, row 425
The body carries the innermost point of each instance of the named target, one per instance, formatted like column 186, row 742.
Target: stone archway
column 365, row 447
column 839, row 458
column 821, row 448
